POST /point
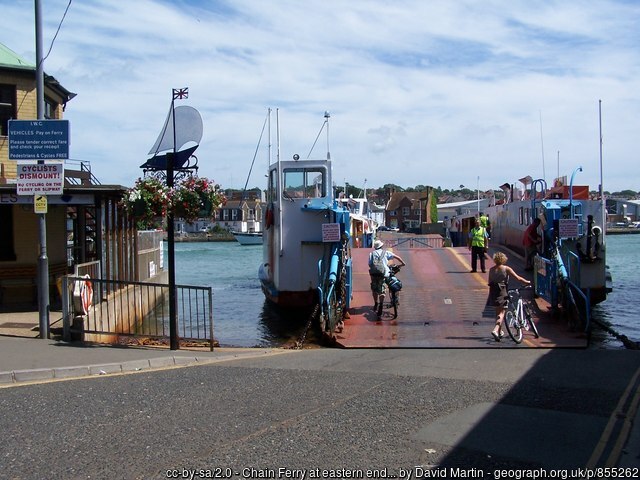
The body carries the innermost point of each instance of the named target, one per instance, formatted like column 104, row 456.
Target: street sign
column 40, row 203
column 38, row 139
column 40, row 177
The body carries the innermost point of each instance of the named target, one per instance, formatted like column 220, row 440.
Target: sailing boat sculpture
column 186, row 140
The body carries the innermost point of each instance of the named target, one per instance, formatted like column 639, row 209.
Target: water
column 243, row 318
column 241, row 315
column 618, row 311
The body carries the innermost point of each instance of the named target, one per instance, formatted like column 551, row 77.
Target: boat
column 571, row 266
column 306, row 239
column 248, row 238
column 362, row 225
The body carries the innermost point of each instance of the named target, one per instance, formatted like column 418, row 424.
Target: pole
column 174, row 344
column 43, row 261
column 602, row 198
column 478, row 187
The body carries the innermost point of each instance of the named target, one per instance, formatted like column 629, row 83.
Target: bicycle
column 517, row 316
column 393, row 286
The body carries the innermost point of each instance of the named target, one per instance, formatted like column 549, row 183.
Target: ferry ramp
column 442, row 305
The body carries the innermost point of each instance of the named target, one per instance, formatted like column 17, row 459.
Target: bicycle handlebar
column 523, row 287
column 395, row 268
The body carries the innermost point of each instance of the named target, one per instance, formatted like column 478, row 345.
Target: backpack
column 376, row 265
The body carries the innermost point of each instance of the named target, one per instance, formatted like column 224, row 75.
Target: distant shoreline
column 203, row 237
column 621, row 230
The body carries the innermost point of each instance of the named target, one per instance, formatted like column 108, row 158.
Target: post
column 43, row 261
column 478, row 188
column 174, row 343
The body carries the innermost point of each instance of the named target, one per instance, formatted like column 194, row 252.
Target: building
column 243, row 216
column 407, row 211
column 85, row 225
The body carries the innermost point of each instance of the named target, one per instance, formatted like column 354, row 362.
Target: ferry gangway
column 108, row 311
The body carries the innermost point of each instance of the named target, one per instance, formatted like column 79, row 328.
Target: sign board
column 568, row 228
column 34, row 177
column 38, row 139
column 330, row 232
column 40, row 203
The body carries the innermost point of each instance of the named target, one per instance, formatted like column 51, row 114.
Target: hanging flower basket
column 150, row 200
column 139, row 208
column 207, row 207
column 147, row 203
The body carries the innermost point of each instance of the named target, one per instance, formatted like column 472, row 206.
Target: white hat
column 378, row 244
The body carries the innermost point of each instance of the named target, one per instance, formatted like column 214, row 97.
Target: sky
column 420, row 92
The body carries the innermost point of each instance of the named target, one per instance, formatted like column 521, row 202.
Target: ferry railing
column 434, row 241
column 134, row 312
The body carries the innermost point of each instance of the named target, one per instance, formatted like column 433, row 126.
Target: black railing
column 134, row 310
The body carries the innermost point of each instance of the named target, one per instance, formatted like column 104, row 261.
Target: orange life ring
column 83, row 295
column 268, row 217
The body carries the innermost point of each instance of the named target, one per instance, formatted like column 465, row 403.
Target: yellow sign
column 40, row 203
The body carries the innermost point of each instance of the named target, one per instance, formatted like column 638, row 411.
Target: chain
column 303, row 336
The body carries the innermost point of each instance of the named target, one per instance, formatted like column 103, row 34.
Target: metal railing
column 432, row 241
column 106, row 311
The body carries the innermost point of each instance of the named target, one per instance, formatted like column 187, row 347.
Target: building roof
column 397, row 197
column 10, row 59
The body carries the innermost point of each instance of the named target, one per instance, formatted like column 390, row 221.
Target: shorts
column 377, row 284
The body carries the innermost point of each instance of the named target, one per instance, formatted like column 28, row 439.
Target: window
column 406, row 211
column 7, row 107
column 6, row 239
column 304, row 183
column 234, row 214
column 273, row 185
column 50, row 108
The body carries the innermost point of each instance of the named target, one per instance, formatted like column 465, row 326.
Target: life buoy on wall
column 82, row 295
column 268, row 217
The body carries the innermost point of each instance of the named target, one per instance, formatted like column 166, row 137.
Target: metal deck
column 442, row 305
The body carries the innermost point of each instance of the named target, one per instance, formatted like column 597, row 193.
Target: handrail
column 579, row 169
column 543, row 183
column 565, row 277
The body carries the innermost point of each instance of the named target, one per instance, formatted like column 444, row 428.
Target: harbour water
column 243, row 318
column 618, row 311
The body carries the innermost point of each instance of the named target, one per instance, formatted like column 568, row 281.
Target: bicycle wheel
column 395, row 301
column 514, row 328
column 529, row 319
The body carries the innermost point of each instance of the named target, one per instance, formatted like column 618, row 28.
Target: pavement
column 594, row 394
column 26, row 358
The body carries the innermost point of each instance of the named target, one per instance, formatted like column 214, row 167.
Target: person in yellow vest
column 478, row 244
column 485, row 223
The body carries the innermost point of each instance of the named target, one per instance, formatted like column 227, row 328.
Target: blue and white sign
column 38, row 139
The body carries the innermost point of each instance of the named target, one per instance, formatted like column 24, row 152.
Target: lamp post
column 171, row 169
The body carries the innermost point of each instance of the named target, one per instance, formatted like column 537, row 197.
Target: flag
column 180, row 93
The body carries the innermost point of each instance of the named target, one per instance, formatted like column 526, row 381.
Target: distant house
column 408, row 210
column 240, row 215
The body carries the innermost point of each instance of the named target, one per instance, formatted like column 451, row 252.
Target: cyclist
column 498, row 280
column 379, row 272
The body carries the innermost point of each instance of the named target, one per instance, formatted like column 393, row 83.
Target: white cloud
column 434, row 93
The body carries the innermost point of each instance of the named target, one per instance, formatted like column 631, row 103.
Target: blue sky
column 420, row 92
